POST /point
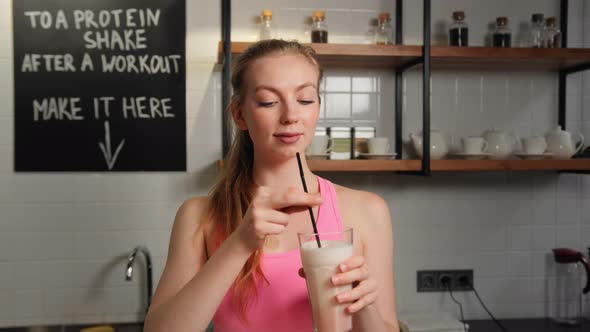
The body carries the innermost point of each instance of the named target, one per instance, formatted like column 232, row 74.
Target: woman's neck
column 284, row 174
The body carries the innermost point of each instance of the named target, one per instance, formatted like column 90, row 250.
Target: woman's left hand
column 365, row 289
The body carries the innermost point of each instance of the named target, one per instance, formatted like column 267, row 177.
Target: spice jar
column 319, row 30
column 266, row 26
column 552, row 33
column 459, row 33
column 502, row 34
column 537, row 31
column 384, row 31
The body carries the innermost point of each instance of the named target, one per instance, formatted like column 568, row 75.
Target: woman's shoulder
column 362, row 205
column 360, row 198
column 191, row 212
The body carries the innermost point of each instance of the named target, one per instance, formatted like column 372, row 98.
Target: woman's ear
column 238, row 116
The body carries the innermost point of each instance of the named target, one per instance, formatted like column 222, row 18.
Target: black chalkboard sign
column 99, row 85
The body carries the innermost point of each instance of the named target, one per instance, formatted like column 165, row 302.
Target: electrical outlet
column 436, row 280
column 427, row 281
column 464, row 280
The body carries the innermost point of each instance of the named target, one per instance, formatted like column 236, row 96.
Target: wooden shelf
column 364, row 165
column 446, row 165
column 482, row 58
column 514, row 58
column 352, row 55
column 511, row 165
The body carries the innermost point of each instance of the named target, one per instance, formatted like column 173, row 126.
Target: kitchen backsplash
column 64, row 237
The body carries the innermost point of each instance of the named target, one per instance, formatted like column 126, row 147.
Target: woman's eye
column 267, row 104
column 306, row 102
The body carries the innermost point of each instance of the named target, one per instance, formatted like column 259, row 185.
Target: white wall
column 63, row 237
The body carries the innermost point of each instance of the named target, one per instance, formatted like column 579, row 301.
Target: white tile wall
column 78, row 228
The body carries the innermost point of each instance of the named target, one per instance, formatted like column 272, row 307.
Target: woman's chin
column 285, row 153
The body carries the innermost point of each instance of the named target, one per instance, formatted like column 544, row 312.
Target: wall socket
column 435, row 280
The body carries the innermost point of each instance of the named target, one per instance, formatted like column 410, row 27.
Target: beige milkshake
column 320, row 264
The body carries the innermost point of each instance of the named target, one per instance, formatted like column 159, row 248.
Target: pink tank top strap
column 329, row 219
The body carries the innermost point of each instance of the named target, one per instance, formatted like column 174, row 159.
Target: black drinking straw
column 315, row 229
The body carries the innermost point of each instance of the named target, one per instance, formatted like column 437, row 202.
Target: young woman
column 233, row 257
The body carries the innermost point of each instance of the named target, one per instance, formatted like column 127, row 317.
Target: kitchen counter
column 525, row 325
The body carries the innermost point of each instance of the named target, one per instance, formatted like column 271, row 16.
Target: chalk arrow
column 106, row 147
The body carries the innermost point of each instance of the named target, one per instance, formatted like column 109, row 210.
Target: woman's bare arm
column 186, row 300
column 372, row 266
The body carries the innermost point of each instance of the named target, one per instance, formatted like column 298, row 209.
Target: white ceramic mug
column 378, row 145
column 320, row 144
column 534, row 145
column 474, row 145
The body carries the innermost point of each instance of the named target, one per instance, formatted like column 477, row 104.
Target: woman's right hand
column 269, row 211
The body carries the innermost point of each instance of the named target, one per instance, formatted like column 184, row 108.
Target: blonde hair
column 230, row 196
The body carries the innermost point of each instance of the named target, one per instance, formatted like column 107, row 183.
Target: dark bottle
column 459, row 33
column 502, row 35
column 319, row 30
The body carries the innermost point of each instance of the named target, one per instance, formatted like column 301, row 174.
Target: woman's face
column 281, row 106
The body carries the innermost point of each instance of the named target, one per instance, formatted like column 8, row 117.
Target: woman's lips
column 288, row 138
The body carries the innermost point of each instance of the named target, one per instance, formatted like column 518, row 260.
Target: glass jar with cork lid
column 552, row 33
column 502, row 35
column 459, row 32
column 319, row 30
column 266, row 26
column 383, row 32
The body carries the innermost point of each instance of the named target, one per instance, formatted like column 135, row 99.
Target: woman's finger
column 354, row 294
column 352, row 263
column 269, row 215
column 358, row 274
column 295, row 197
column 361, row 303
column 267, row 228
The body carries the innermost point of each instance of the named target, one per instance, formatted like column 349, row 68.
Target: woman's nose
column 289, row 113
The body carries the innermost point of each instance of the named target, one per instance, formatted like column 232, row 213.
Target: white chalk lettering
column 153, row 18
column 46, row 20
column 33, row 17
column 106, row 102
column 78, row 18
column 129, row 18
column 89, row 18
column 56, row 108
column 87, row 63
column 113, row 40
column 146, row 108
column 60, row 21
column 164, row 103
column 141, row 64
column 117, row 16
column 59, row 62
column 31, row 63
column 104, row 18
column 50, row 63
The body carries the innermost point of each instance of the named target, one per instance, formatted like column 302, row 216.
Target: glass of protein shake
column 319, row 265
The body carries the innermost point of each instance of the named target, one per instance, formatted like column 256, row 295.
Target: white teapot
column 438, row 144
column 560, row 143
column 500, row 143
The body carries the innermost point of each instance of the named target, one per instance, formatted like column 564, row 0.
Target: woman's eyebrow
column 272, row 89
column 303, row 86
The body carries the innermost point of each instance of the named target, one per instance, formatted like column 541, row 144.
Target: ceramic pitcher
column 560, row 143
column 438, row 144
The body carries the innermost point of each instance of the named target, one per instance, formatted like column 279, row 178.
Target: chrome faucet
column 148, row 263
